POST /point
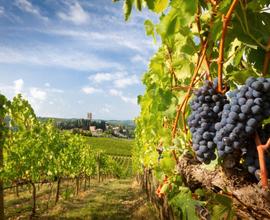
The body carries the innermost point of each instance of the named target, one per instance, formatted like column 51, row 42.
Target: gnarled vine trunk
column 249, row 200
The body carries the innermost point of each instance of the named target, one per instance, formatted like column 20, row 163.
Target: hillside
column 114, row 146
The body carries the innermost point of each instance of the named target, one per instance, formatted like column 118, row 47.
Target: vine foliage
column 200, row 39
column 37, row 152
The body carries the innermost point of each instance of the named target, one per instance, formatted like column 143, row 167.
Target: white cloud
column 38, row 94
column 119, row 79
column 49, row 56
column 115, row 92
column 27, row 6
column 101, row 77
column 47, row 84
column 126, row 99
column 54, row 90
column 76, row 14
column 129, row 100
column 139, row 59
column 109, row 39
column 2, row 10
column 127, row 81
column 90, row 90
column 12, row 90
column 18, row 86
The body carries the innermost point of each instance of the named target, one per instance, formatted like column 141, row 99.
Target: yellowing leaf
column 157, row 6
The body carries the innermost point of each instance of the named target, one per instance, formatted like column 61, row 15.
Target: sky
column 70, row 57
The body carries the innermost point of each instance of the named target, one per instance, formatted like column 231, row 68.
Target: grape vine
column 35, row 152
column 202, row 40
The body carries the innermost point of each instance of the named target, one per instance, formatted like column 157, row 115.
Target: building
column 99, row 131
column 92, row 128
column 89, row 116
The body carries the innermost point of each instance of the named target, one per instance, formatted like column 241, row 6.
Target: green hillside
column 115, row 146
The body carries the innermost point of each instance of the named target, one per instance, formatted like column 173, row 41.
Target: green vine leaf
column 149, row 29
column 224, row 208
column 157, row 6
column 127, row 7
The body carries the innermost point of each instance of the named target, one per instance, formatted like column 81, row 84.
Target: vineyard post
column 98, row 166
column 17, row 190
column 77, row 185
column 58, row 190
column 85, row 182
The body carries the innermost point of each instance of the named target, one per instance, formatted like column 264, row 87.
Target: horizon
column 93, row 119
column 71, row 57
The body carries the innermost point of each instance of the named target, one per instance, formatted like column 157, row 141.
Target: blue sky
column 70, row 57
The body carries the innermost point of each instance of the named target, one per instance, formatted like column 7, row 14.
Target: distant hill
column 123, row 123
column 128, row 123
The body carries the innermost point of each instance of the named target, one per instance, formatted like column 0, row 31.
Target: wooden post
column 77, row 185
column 85, row 181
column 17, row 190
column 58, row 190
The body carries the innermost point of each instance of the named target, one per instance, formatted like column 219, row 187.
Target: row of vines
column 200, row 175
column 35, row 152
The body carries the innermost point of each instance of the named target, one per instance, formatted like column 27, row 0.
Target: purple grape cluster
column 206, row 106
column 240, row 118
column 229, row 126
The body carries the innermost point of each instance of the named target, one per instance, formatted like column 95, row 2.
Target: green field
column 114, row 146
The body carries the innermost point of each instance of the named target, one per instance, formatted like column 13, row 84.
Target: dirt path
column 113, row 199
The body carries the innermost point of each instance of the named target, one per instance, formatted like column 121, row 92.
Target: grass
column 114, row 199
column 113, row 146
column 111, row 199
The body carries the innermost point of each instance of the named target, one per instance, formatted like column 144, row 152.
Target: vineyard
column 36, row 155
column 114, row 146
column 202, row 137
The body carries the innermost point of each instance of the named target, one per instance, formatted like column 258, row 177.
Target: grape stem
column 180, row 88
column 213, row 2
column 200, row 78
column 266, row 60
column 201, row 56
column 198, row 22
column 170, row 66
column 226, row 19
column 261, row 148
column 185, row 88
column 184, row 103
